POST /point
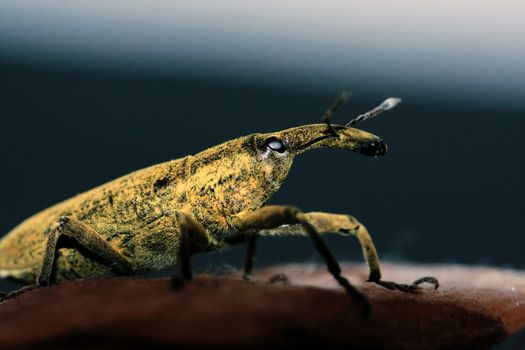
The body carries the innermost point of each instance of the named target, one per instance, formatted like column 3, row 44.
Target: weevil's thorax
column 235, row 177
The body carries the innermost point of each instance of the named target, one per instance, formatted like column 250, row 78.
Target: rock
column 474, row 308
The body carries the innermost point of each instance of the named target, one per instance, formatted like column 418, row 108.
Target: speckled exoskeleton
column 157, row 217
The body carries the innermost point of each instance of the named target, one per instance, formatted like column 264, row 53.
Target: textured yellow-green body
column 136, row 213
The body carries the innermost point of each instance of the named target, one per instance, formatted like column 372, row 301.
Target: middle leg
column 193, row 239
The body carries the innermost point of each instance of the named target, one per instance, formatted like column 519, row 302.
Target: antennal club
column 341, row 100
column 387, row 104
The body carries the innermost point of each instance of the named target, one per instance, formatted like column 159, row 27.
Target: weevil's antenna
column 341, row 100
column 387, row 104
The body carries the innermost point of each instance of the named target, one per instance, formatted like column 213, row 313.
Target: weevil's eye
column 275, row 144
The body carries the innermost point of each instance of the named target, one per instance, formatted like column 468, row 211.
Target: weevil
column 158, row 217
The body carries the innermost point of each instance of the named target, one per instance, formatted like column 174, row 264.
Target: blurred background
column 91, row 90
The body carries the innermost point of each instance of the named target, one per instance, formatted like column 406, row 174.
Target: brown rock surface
column 474, row 308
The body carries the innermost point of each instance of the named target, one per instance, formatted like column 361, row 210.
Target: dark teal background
column 450, row 189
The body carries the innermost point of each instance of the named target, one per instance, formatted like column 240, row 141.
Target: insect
column 160, row 216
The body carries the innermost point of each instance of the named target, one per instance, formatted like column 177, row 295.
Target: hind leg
column 86, row 237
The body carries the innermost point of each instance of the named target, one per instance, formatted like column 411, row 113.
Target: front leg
column 348, row 225
column 271, row 217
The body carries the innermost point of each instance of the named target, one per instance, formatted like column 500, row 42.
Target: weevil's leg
column 250, row 255
column 348, row 225
column 270, row 217
column 185, row 255
column 86, row 237
column 194, row 238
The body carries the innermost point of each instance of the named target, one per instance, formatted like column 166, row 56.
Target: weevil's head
column 275, row 151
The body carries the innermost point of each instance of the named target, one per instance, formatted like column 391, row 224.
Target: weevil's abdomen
column 124, row 212
column 22, row 250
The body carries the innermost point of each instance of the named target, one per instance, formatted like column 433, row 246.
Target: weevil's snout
column 308, row 137
column 373, row 148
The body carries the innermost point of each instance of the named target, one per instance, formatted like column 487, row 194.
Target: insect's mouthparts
column 374, row 149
